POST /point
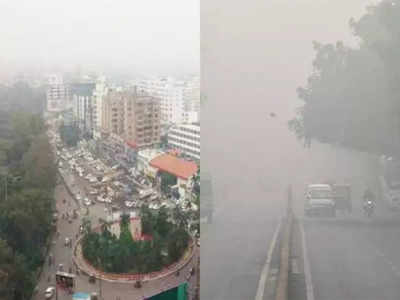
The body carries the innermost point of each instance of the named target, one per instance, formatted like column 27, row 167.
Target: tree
column 167, row 180
column 39, row 165
column 177, row 243
column 162, row 226
column 26, row 214
column 351, row 99
column 147, row 219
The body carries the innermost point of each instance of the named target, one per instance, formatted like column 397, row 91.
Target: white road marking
column 265, row 271
column 307, row 270
column 295, row 266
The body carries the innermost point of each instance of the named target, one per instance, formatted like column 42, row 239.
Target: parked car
column 129, row 203
column 49, row 292
column 87, row 201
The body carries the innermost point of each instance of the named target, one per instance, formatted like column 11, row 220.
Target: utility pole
column 56, row 290
column 100, row 294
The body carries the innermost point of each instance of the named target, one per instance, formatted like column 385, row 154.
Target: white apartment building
column 179, row 100
column 192, row 95
column 185, row 138
column 83, row 107
column 57, row 94
column 99, row 93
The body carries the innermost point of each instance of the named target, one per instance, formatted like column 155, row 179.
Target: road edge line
column 307, row 269
column 265, row 271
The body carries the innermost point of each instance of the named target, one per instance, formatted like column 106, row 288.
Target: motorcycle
column 369, row 208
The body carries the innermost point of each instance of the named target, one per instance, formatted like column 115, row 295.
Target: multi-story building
column 134, row 116
column 192, row 95
column 112, row 119
column 142, row 119
column 57, row 94
column 83, row 107
column 99, row 93
column 179, row 100
column 185, row 138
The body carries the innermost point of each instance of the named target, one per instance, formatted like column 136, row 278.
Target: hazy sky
column 143, row 36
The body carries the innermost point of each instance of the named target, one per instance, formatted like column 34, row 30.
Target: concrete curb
column 90, row 270
column 284, row 266
column 284, row 263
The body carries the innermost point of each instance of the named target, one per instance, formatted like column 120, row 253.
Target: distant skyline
column 133, row 37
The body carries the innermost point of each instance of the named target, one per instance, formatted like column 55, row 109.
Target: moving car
column 319, row 201
column 87, row 201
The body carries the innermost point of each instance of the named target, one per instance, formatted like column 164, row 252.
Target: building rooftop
column 174, row 165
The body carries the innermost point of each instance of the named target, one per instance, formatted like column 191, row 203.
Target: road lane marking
column 295, row 266
column 265, row 271
column 307, row 270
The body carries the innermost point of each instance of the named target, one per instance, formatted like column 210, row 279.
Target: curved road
column 254, row 56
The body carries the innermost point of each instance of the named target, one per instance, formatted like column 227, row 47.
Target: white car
column 129, row 203
column 49, row 292
column 78, row 197
column 87, row 201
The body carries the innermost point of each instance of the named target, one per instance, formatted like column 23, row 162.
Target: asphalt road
column 354, row 257
column 254, row 56
column 63, row 255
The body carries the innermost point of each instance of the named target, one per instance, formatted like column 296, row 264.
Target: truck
column 326, row 199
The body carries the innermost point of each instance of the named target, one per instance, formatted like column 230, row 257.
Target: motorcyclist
column 369, row 199
column 368, row 196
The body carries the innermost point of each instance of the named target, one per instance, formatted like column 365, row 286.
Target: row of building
column 179, row 99
column 133, row 116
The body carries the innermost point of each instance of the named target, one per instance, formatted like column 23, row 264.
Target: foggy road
column 354, row 258
column 254, row 56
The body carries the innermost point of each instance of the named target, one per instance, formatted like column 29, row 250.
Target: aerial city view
column 100, row 152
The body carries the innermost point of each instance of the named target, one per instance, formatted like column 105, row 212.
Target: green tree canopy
column 352, row 97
